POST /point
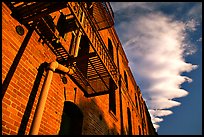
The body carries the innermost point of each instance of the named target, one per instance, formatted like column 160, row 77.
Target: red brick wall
column 17, row 94
column 26, row 84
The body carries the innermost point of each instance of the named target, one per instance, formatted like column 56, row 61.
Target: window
column 72, row 120
column 110, row 48
column 139, row 130
column 126, row 80
column 65, row 24
column 136, row 101
column 112, row 101
column 129, row 122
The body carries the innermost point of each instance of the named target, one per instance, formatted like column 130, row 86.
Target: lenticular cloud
column 156, row 45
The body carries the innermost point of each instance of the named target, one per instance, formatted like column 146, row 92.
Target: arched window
column 72, row 120
column 126, row 80
column 136, row 101
column 129, row 122
column 110, row 48
column 112, row 101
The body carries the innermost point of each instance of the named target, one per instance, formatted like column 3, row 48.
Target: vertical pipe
column 78, row 37
column 41, row 104
column 73, row 42
column 43, row 96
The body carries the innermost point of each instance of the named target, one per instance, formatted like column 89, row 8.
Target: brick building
column 64, row 71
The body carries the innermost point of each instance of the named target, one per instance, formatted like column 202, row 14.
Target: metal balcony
column 101, row 69
column 102, row 14
column 26, row 12
column 95, row 73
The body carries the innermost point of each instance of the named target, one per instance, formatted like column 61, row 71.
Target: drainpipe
column 44, row 93
column 79, row 36
column 78, row 39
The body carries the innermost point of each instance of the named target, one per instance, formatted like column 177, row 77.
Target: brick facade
column 25, row 60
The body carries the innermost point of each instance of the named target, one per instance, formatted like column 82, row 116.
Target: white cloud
column 156, row 126
column 162, row 103
column 191, row 24
column 160, row 112
column 117, row 6
column 157, row 120
column 200, row 39
column 155, row 46
column 189, row 49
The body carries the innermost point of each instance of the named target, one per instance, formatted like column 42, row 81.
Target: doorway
column 72, row 120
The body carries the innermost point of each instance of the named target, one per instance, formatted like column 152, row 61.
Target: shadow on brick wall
column 16, row 61
column 31, row 100
column 95, row 121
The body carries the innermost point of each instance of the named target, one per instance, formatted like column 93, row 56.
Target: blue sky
column 163, row 43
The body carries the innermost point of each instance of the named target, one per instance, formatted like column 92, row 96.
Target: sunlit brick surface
column 22, row 94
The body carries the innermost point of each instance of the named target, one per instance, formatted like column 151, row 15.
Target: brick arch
column 72, row 119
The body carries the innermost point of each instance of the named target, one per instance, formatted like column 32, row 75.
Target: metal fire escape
column 101, row 73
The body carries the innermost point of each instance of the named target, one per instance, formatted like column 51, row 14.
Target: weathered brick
column 16, row 86
column 13, row 132
column 20, row 114
column 13, row 94
column 5, row 130
column 13, row 105
column 7, row 101
column 16, row 123
column 12, row 110
column 15, row 117
column 7, row 119
column 97, row 118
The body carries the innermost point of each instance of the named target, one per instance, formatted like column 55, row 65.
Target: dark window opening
column 110, row 48
column 126, row 80
column 72, row 120
column 112, row 101
column 65, row 24
column 136, row 101
column 129, row 122
column 141, row 110
column 139, row 130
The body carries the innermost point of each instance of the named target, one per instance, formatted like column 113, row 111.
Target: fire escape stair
column 102, row 15
column 26, row 12
column 103, row 59
column 100, row 68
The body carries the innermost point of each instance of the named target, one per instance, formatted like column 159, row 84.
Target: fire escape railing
column 102, row 15
column 101, row 67
column 96, row 41
column 29, row 11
